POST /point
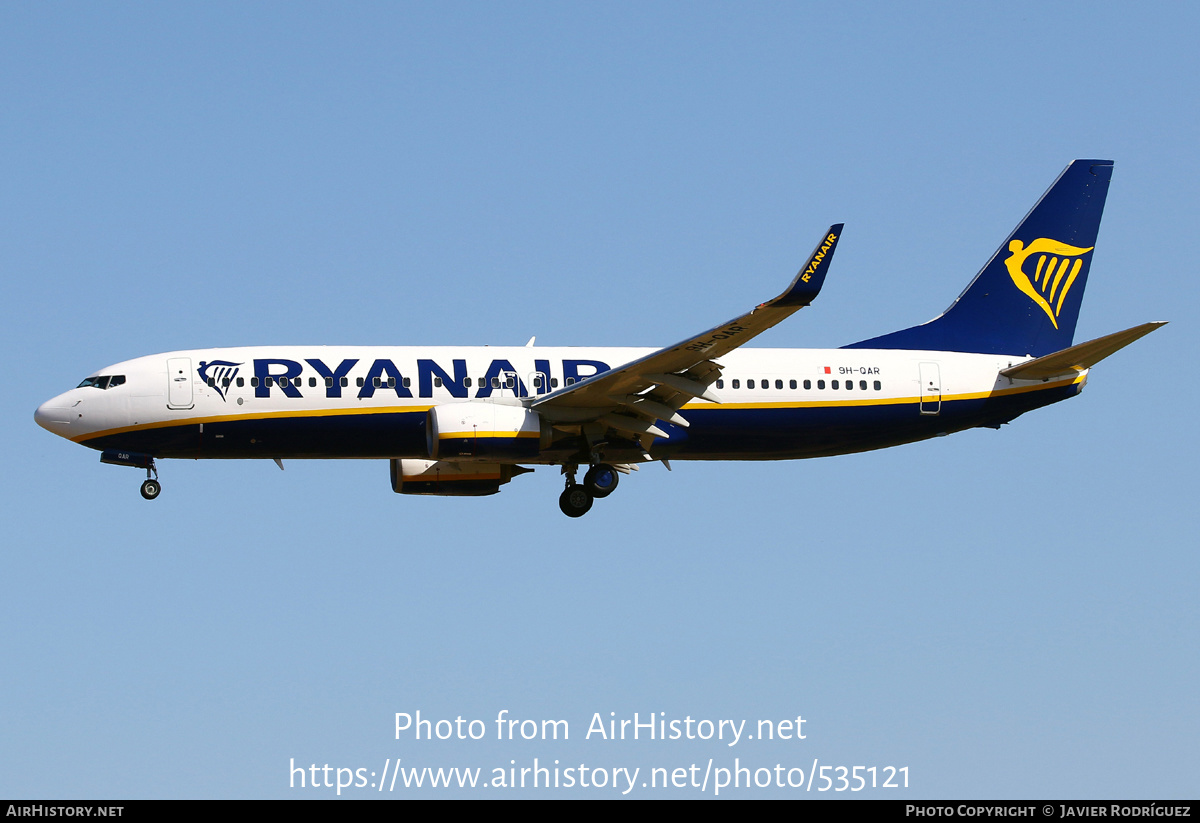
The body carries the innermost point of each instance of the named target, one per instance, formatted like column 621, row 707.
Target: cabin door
column 931, row 388
column 179, row 383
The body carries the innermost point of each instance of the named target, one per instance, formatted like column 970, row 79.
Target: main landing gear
column 598, row 482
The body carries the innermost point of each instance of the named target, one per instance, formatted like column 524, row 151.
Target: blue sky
column 1008, row 614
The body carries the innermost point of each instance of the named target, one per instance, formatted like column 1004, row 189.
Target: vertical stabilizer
column 1026, row 298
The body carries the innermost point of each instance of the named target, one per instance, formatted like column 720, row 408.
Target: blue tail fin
column 1026, row 299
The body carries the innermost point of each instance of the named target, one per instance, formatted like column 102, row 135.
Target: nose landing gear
column 151, row 488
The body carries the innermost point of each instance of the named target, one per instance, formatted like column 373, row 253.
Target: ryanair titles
column 363, row 379
column 815, row 263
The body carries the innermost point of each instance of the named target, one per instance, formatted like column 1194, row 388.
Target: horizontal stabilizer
column 1081, row 357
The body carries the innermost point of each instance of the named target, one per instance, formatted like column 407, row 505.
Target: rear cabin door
column 931, row 389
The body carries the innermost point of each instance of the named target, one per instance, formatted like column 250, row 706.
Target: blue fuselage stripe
column 714, row 433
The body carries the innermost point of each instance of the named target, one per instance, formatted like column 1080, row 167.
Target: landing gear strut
column 575, row 499
column 151, row 487
column 598, row 482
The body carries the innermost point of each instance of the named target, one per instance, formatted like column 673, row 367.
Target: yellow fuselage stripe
column 783, row 404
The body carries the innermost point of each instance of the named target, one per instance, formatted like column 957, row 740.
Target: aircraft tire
column 151, row 489
column 601, row 480
column 575, row 501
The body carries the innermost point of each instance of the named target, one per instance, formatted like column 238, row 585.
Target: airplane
column 464, row 421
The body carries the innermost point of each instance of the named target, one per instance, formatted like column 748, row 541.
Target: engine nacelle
column 485, row 431
column 451, row 479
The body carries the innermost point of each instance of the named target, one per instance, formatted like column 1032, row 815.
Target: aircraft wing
column 632, row 397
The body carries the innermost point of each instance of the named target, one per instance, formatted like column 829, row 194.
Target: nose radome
column 54, row 416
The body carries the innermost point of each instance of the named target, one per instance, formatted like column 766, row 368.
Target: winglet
column 811, row 277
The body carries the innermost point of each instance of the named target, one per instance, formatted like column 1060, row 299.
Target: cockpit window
column 104, row 381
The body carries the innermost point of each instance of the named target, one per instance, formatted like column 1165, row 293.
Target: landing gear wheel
column 575, row 501
column 150, row 489
column 601, row 480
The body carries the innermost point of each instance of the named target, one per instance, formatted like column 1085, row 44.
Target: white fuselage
column 772, row 400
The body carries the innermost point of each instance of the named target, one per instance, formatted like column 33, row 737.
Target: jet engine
column 451, row 479
column 485, row 431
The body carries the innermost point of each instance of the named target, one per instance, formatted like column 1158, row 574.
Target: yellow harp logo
column 1047, row 288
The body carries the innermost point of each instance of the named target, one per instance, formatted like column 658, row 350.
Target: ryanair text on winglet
column 817, row 258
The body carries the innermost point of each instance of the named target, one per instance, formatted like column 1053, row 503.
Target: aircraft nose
column 54, row 415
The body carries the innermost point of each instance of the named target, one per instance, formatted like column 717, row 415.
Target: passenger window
column 467, row 382
column 720, row 384
column 437, row 381
column 833, row 384
column 878, row 385
column 495, row 382
column 779, row 384
column 554, row 382
column 862, row 384
column 360, row 382
column 212, row 382
column 329, row 382
column 537, row 381
column 849, row 385
column 407, row 382
column 375, row 381
column 570, row 381
column 807, row 384
column 312, row 382
column 737, row 384
column 749, row 384
column 267, row 380
column 254, row 382
column 821, row 384
column 391, row 382
column 224, row 382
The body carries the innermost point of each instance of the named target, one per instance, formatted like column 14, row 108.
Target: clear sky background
column 1008, row 614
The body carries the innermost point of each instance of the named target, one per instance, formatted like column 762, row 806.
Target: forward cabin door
column 179, row 383
column 931, row 388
